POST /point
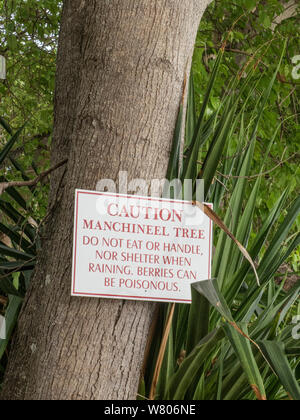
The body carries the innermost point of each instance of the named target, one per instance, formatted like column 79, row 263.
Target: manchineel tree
column 120, row 78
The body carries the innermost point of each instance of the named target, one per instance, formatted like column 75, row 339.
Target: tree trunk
column 121, row 67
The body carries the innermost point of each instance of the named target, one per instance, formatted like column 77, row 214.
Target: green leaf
column 191, row 112
column 190, row 164
column 18, row 239
column 210, row 289
column 238, row 336
column 11, row 252
column 173, row 168
column 189, row 369
column 17, row 217
column 280, row 236
column 259, row 241
column 6, row 284
column 12, row 42
column 6, row 126
column 217, row 146
column 16, row 266
column 20, row 169
column 14, row 194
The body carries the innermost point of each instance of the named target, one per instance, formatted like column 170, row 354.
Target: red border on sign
column 126, row 296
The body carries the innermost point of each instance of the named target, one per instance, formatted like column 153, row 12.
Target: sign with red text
column 139, row 248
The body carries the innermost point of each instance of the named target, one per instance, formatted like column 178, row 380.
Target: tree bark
column 121, row 67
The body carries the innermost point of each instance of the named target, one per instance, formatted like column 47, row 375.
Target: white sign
column 2, row 328
column 139, row 248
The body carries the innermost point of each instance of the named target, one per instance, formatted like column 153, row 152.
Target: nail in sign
column 139, row 248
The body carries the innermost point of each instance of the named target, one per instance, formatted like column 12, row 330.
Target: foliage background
column 253, row 32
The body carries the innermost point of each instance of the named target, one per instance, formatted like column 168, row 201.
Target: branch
column 33, row 182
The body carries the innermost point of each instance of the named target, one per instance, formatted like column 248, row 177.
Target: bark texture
column 121, row 66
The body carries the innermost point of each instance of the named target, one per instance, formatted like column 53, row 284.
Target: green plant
column 19, row 241
column 235, row 340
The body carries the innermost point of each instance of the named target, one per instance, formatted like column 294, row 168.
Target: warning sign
column 139, row 248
